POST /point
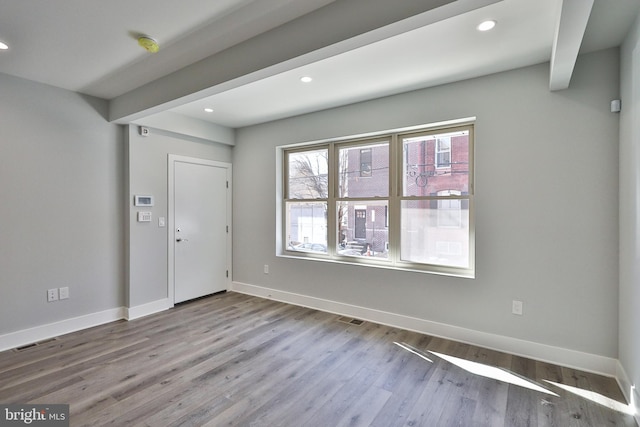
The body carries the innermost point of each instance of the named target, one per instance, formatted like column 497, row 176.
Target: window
column 434, row 207
column 362, row 201
column 443, row 152
column 365, row 162
column 307, row 195
column 350, row 201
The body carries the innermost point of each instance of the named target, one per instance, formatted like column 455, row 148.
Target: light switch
column 161, row 221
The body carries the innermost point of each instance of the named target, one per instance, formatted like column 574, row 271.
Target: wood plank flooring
column 236, row 360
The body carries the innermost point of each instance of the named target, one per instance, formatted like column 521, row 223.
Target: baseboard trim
column 559, row 356
column 629, row 391
column 39, row 333
column 138, row 311
column 44, row 332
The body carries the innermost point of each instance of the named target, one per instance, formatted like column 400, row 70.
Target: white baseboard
column 629, row 391
column 556, row 355
column 39, row 333
column 147, row 309
column 44, row 332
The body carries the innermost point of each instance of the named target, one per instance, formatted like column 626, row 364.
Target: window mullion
column 395, row 191
column 332, row 187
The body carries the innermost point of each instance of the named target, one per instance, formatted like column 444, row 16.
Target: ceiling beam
column 336, row 28
column 572, row 24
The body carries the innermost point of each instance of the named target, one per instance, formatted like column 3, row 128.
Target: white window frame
column 394, row 199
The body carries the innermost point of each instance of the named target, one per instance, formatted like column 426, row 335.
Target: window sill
column 386, row 265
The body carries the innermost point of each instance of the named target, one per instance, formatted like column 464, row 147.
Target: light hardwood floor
column 232, row 359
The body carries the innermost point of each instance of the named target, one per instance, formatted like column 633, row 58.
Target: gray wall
column 147, row 174
column 630, row 209
column 546, row 207
column 61, row 222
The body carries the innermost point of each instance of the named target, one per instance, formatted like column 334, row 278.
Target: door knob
column 179, row 239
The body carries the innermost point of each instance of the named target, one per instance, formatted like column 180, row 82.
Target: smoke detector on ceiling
column 149, row 44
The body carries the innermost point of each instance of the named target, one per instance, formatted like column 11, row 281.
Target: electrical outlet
column 64, row 292
column 52, row 295
column 266, row 269
column 516, row 307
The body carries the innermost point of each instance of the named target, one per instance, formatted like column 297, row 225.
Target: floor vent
column 350, row 320
column 24, row 347
column 35, row 344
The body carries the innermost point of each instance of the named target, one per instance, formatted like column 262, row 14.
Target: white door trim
column 171, row 238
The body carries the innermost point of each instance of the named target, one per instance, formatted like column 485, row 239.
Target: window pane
column 308, row 174
column 443, row 152
column 363, row 229
column 364, row 171
column 435, row 233
column 433, row 163
column 307, row 226
column 450, row 210
column 365, row 162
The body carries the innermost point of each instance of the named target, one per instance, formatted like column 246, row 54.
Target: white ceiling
column 90, row 46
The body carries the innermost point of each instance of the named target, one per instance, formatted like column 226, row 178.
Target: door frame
column 171, row 230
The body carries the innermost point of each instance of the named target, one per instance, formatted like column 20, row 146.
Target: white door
column 199, row 227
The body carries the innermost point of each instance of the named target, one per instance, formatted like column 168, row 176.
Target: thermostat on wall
column 143, row 200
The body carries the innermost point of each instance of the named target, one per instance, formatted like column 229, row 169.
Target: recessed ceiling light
column 4, row 46
column 486, row 25
column 305, row 79
column 208, row 110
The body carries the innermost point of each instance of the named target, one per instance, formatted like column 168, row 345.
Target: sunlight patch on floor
column 597, row 398
column 492, row 372
column 413, row 350
column 480, row 369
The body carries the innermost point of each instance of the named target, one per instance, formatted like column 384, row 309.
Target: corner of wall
column 125, row 212
column 153, row 307
column 628, row 372
column 629, row 390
